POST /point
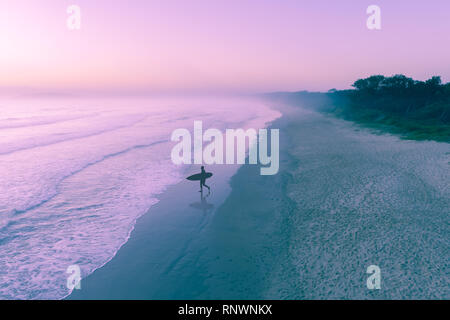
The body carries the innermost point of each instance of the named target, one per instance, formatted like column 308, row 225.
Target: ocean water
column 76, row 174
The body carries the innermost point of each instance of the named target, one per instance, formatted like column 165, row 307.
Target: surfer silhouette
column 203, row 180
column 202, row 176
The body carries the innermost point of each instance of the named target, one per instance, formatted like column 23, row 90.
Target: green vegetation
column 418, row 110
column 414, row 109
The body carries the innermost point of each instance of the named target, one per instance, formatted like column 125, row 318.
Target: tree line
column 403, row 96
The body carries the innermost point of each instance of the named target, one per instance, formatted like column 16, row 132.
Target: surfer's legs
column 206, row 185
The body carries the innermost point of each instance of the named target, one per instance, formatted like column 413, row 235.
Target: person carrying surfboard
column 202, row 176
column 203, row 180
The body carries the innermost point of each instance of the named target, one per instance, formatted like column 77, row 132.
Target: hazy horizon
column 216, row 47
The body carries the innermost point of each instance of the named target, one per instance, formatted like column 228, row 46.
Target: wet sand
column 343, row 199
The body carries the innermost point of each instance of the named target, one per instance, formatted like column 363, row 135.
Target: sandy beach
column 344, row 199
column 318, row 130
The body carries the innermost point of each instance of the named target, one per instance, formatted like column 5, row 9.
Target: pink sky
column 218, row 45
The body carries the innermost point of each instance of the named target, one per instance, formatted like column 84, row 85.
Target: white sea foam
column 75, row 176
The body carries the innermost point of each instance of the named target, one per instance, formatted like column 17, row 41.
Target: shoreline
column 343, row 199
column 154, row 232
column 172, row 213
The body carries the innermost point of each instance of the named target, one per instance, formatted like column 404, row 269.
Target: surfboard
column 198, row 176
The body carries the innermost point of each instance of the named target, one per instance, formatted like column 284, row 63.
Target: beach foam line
column 42, row 122
column 115, row 154
column 81, row 136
